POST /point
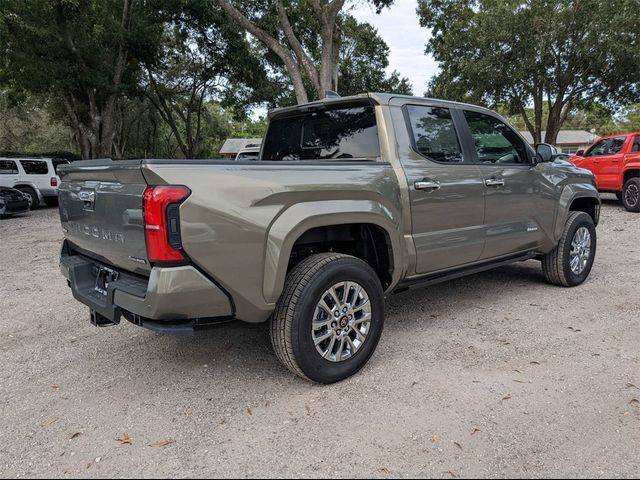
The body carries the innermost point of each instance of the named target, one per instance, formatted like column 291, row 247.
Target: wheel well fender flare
column 32, row 186
column 631, row 170
column 301, row 217
column 569, row 195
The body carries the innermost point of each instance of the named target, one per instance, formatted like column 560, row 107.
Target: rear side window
column 636, row 144
column 434, row 134
column 338, row 132
column 495, row 142
column 8, row 167
column 34, row 167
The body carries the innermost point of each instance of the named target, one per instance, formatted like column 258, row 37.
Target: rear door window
column 336, row 133
column 8, row 167
column 434, row 133
column 34, row 167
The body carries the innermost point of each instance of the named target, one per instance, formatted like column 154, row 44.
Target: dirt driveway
column 497, row 375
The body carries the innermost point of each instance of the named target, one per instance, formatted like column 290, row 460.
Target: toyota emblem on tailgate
column 88, row 198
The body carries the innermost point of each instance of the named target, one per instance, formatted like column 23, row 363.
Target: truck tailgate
column 101, row 211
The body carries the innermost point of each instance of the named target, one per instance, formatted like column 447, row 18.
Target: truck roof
column 619, row 135
column 379, row 98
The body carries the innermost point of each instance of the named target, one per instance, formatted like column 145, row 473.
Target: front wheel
column 569, row 264
column 631, row 195
column 329, row 319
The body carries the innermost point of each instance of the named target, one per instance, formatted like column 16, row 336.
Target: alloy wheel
column 341, row 321
column 632, row 195
column 580, row 250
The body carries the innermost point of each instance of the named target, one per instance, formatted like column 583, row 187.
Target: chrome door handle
column 426, row 185
column 494, row 182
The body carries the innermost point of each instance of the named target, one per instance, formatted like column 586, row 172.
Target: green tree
column 281, row 26
column 204, row 57
column 364, row 58
column 592, row 116
column 27, row 127
column 553, row 53
column 247, row 128
column 81, row 54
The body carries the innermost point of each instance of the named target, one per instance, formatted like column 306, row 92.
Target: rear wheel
column 631, row 195
column 569, row 264
column 329, row 319
column 31, row 195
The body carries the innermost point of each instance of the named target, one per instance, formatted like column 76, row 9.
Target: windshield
column 338, row 132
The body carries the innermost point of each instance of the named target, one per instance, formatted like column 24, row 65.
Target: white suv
column 37, row 178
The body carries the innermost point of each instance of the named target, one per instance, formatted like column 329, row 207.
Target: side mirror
column 545, row 152
column 580, row 153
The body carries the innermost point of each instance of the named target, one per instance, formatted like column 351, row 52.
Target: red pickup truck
column 615, row 161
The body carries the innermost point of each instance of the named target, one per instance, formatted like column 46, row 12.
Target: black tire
column 34, row 201
column 291, row 323
column 51, row 201
column 556, row 264
column 631, row 195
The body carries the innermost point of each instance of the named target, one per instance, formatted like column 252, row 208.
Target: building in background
column 569, row 141
column 232, row 146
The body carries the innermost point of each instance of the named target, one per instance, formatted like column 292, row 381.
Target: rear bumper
column 172, row 300
column 14, row 207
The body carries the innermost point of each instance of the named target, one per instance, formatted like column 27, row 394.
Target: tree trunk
column 285, row 54
column 292, row 54
column 106, row 131
column 554, row 123
column 537, row 112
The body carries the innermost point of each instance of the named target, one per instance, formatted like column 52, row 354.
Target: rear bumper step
column 175, row 300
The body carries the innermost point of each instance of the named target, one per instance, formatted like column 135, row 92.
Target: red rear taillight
column 162, row 222
column 54, row 182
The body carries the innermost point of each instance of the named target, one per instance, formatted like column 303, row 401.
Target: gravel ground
column 495, row 375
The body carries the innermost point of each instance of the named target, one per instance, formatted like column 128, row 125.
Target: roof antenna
column 331, row 94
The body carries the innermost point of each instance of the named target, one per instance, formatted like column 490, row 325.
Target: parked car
column 352, row 198
column 249, row 153
column 12, row 202
column 37, row 178
column 615, row 161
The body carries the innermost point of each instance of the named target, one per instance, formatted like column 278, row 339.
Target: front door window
column 495, row 142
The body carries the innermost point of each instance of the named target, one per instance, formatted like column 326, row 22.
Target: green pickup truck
column 351, row 199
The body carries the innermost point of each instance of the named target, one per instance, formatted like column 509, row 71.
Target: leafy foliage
column 81, row 54
column 364, row 58
column 565, row 53
column 26, row 125
column 304, row 41
column 167, row 78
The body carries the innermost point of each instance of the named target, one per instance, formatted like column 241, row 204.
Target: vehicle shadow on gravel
column 244, row 350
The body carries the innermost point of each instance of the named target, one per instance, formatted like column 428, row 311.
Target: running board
column 433, row 278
